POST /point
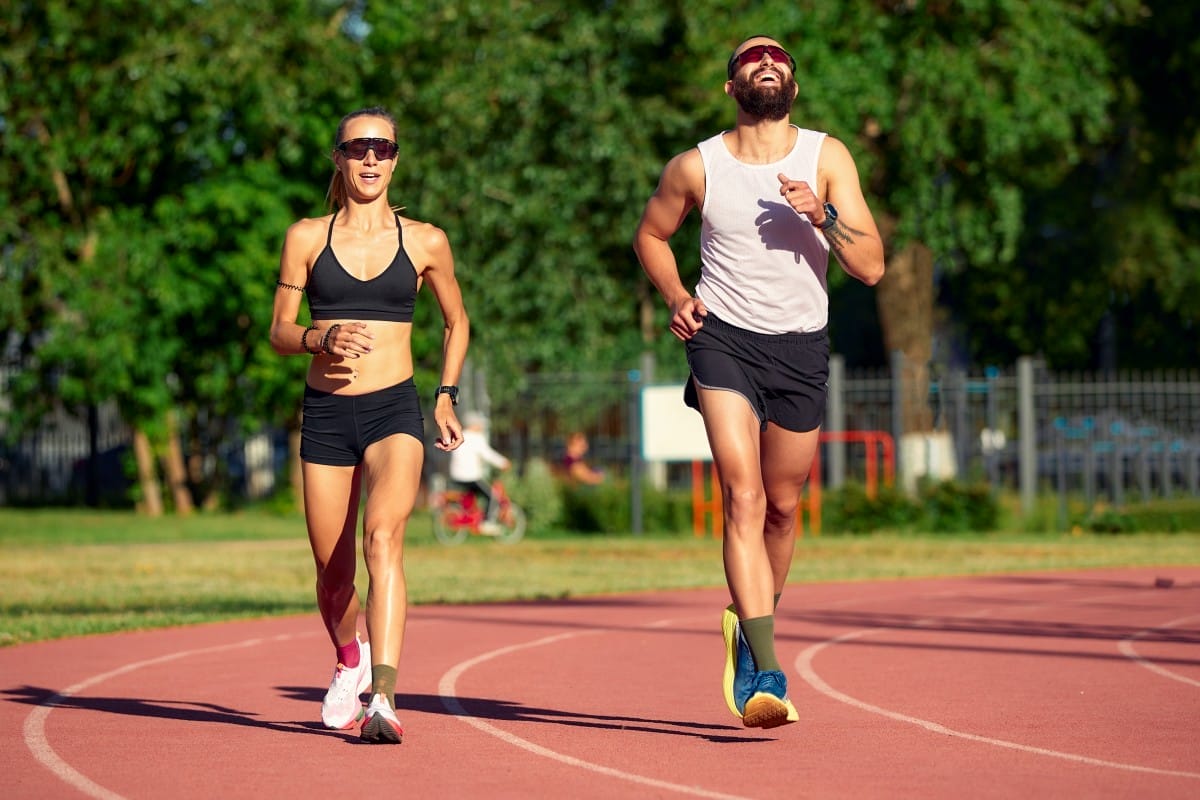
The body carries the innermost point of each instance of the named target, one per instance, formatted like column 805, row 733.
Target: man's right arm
column 679, row 190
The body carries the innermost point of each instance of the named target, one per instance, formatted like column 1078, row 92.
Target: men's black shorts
column 784, row 377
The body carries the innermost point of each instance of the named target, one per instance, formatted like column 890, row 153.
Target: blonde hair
column 335, row 198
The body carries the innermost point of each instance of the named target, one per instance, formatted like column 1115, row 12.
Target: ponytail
column 335, row 198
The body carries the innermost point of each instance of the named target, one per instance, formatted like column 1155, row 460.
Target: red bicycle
column 458, row 514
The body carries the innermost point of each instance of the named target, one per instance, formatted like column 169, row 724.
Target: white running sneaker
column 342, row 706
column 381, row 725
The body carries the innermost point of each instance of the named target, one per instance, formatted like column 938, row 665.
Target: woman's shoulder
column 425, row 235
column 303, row 230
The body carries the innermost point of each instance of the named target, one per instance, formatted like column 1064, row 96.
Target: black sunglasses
column 754, row 54
column 356, row 149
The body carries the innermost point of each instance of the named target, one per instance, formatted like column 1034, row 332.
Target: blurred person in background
column 471, row 465
column 774, row 200
column 363, row 432
column 574, row 462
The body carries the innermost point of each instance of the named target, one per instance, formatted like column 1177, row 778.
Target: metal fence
column 1120, row 437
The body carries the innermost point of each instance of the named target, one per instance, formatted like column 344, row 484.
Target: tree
column 153, row 153
column 1109, row 270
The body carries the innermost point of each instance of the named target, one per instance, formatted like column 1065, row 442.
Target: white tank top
column 762, row 265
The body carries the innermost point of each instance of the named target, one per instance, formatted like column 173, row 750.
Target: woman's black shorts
column 338, row 428
column 784, row 377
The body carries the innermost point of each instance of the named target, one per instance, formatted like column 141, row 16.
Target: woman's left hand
column 448, row 426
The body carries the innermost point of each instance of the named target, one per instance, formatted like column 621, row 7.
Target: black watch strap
column 831, row 216
column 450, row 390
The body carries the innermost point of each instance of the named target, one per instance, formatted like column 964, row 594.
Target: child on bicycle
column 470, row 463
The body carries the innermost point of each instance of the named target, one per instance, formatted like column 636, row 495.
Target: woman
column 361, row 267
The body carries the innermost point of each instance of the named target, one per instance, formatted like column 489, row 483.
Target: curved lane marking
column 1127, row 649
column 447, row 690
column 34, row 728
column 804, row 665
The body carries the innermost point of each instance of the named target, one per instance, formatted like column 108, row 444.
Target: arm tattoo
column 840, row 235
column 291, row 286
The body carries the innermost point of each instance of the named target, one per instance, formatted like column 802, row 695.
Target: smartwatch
column 830, row 217
column 450, row 390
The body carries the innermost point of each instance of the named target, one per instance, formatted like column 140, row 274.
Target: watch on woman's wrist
column 450, row 390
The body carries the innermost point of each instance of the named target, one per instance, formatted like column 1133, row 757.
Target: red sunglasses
column 754, row 54
column 385, row 149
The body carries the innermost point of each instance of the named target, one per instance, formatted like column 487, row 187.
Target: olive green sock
column 383, row 681
column 760, row 635
column 776, row 605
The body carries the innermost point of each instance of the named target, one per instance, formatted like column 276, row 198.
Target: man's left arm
column 853, row 235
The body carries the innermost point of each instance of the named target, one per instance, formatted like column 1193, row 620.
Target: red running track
column 1037, row 685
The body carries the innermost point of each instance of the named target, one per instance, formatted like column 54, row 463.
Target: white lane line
column 1127, row 649
column 34, row 728
column 804, row 665
column 447, row 688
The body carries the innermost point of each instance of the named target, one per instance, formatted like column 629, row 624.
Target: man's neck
column 760, row 141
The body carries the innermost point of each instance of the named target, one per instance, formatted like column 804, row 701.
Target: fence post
column 635, row 451
column 1027, row 432
column 958, row 384
column 991, row 455
column 835, row 419
column 897, row 365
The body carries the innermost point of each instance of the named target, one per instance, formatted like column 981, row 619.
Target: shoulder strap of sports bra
column 399, row 228
column 329, row 236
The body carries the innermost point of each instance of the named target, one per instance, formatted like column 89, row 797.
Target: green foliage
column 536, row 491
column 937, row 507
column 850, row 510
column 952, row 507
column 607, row 508
column 1107, row 521
column 595, row 509
column 153, row 153
column 1161, row 516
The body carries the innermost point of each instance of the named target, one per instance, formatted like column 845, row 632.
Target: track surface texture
column 1080, row 684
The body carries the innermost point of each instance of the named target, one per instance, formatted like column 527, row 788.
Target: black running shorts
column 784, row 377
column 337, row 428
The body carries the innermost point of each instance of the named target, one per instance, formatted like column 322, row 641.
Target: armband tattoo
column 839, row 235
column 291, row 286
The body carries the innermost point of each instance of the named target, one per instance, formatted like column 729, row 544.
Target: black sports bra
column 333, row 293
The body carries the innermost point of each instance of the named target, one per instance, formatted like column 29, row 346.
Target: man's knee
column 745, row 502
column 781, row 516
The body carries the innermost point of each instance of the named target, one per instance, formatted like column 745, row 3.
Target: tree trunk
column 905, row 301
column 175, row 469
column 147, row 471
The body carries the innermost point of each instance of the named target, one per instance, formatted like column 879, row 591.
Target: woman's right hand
column 350, row 340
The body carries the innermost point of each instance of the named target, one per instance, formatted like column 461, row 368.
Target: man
column 774, row 199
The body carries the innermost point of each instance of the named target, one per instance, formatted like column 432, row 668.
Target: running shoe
column 738, row 680
column 381, row 726
column 342, row 706
column 768, row 706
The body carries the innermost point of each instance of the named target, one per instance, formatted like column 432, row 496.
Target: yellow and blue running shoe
column 738, row 680
column 769, row 706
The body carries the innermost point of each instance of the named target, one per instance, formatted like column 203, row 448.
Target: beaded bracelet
column 304, row 340
column 329, row 333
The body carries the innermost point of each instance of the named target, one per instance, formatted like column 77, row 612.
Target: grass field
column 68, row 573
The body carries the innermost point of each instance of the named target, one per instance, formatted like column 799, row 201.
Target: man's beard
column 771, row 101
